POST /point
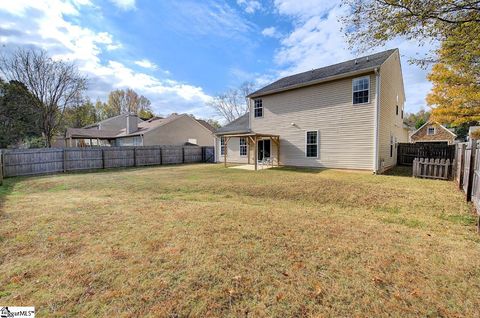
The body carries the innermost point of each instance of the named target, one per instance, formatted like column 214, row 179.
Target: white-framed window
column 243, row 147
column 361, row 90
column 222, row 146
column 258, row 108
column 431, row 131
column 311, row 144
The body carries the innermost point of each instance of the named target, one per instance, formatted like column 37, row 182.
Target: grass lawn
column 205, row 241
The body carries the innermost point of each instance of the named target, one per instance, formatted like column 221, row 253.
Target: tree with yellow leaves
column 455, row 96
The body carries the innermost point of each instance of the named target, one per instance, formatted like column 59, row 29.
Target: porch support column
column 256, row 152
column 248, row 150
column 278, row 151
column 225, row 147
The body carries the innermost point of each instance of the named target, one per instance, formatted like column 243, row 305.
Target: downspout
column 377, row 122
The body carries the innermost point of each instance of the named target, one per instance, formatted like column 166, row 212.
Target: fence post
column 161, row 155
column 183, row 154
column 472, row 169
column 103, row 158
column 1, row 167
column 459, row 168
column 414, row 167
column 134, row 156
column 64, row 160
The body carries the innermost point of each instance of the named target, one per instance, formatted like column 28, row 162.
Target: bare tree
column 55, row 85
column 233, row 103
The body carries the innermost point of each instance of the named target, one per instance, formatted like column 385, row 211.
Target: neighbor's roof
column 143, row 128
column 206, row 125
column 430, row 122
column 366, row 63
column 91, row 133
column 97, row 124
column 239, row 125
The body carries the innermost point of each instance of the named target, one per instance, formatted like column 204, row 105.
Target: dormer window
column 258, row 108
column 431, row 131
column 361, row 90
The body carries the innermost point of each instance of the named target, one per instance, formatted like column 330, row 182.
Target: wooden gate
column 406, row 152
column 433, row 168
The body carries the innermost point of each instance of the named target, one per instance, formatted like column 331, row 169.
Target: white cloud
column 209, row 18
column 317, row 41
column 271, row 32
column 124, row 4
column 304, row 8
column 48, row 29
column 146, row 64
column 250, row 6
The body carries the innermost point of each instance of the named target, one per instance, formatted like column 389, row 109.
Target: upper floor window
column 258, row 108
column 402, row 113
column 431, row 131
column 222, row 146
column 396, row 111
column 311, row 150
column 243, row 146
column 361, row 90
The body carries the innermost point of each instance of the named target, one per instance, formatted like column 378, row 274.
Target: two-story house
column 348, row 115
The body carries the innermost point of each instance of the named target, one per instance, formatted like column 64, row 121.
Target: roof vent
column 368, row 58
column 356, row 62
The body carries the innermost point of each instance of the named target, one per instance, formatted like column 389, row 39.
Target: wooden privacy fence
column 433, row 168
column 53, row 160
column 467, row 173
column 407, row 152
column 1, row 170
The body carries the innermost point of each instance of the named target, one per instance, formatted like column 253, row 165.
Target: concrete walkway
column 251, row 167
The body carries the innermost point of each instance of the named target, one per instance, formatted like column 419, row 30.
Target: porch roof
column 252, row 139
column 249, row 134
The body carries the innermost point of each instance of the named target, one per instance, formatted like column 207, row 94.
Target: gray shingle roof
column 206, row 125
column 91, row 133
column 143, row 128
column 239, row 125
column 302, row 79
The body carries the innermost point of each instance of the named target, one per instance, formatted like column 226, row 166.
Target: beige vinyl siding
column 233, row 151
column 405, row 135
column 178, row 131
column 391, row 124
column 346, row 131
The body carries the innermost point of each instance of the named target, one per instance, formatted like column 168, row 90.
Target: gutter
column 322, row 80
column 377, row 122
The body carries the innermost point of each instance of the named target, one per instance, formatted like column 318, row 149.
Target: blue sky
column 181, row 53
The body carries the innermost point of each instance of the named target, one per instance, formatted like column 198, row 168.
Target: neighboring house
column 348, row 115
column 129, row 130
column 432, row 131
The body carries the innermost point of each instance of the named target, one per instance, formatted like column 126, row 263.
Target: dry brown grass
column 204, row 241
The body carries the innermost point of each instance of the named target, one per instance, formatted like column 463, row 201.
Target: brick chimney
column 132, row 123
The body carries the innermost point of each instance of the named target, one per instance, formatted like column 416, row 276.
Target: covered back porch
column 262, row 149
